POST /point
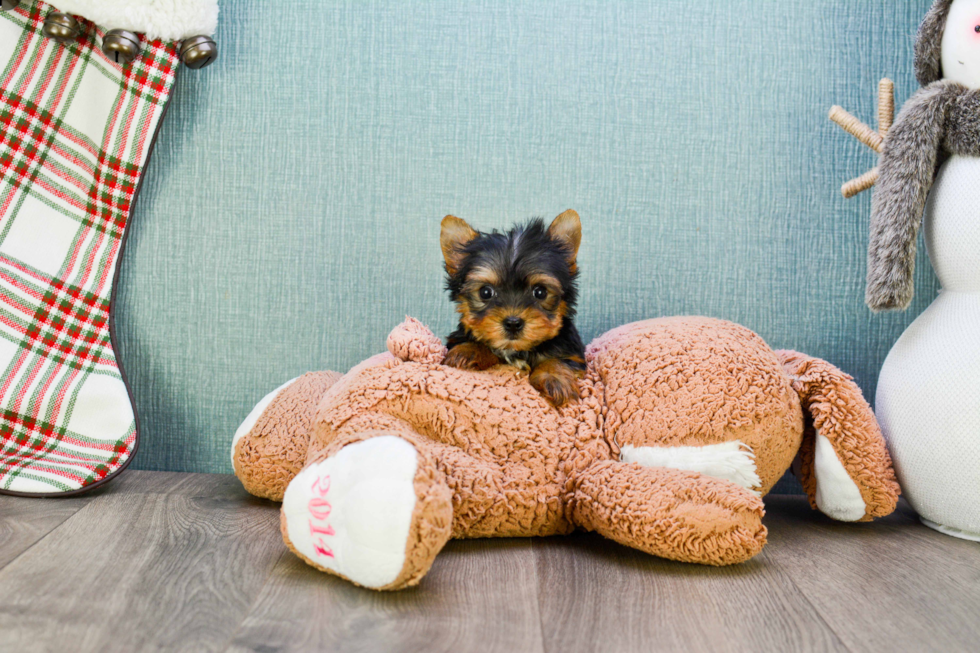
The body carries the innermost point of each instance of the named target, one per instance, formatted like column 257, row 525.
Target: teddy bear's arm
column 487, row 501
column 377, row 500
column 908, row 167
column 675, row 514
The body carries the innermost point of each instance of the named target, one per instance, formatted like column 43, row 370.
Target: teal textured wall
column 290, row 215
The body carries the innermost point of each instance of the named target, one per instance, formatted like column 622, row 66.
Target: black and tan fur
column 516, row 293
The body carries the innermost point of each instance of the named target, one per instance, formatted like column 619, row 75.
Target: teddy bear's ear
column 567, row 229
column 455, row 235
column 929, row 43
column 413, row 341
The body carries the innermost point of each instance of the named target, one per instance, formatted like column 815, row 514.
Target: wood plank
column 24, row 521
column 481, row 595
column 891, row 585
column 182, row 483
column 191, row 562
column 596, row 595
column 137, row 570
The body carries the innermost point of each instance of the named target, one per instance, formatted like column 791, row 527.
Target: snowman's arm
column 908, row 167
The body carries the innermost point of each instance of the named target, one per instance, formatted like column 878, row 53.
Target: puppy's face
column 514, row 290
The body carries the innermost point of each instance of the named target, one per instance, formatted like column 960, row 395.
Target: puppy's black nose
column 513, row 324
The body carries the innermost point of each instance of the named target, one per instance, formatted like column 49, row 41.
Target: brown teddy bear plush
column 683, row 424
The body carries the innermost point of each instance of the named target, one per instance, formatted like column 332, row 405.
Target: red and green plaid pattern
column 75, row 133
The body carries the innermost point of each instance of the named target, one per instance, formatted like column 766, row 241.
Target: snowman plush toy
column 928, row 399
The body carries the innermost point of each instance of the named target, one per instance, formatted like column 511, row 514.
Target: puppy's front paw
column 471, row 356
column 556, row 381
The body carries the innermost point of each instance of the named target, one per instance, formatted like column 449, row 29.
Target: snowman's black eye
column 977, row 29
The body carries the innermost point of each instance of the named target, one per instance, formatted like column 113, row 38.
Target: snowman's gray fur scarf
column 941, row 119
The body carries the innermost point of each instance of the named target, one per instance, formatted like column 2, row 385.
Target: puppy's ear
column 455, row 235
column 567, row 229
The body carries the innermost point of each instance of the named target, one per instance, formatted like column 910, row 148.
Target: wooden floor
column 190, row 562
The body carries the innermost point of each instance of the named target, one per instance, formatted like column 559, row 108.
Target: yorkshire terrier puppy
column 515, row 293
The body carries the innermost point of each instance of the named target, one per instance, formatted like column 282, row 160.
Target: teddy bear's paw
column 367, row 514
column 837, row 495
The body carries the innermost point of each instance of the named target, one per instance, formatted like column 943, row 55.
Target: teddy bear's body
column 683, row 424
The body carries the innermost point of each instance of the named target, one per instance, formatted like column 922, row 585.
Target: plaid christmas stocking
column 76, row 129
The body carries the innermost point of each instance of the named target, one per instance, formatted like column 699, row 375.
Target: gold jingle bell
column 122, row 46
column 61, row 27
column 7, row 5
column 198, row 51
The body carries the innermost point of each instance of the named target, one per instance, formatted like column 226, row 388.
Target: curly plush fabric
column 494, row 459
column 839, row 413
column 276, row 448
column 704, row 382
column 410, row 341
column 669, row 513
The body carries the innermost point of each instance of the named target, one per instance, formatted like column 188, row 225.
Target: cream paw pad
column 353, row 513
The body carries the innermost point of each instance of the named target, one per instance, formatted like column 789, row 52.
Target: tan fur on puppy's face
column 542, row 321
column 488, row 327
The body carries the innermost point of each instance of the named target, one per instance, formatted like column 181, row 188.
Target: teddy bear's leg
column 675, row 514
column 269, row 448
column 376, row 511
column 843, row 463
column 483, row 497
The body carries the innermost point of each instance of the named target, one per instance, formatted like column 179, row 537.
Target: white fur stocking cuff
column 170, row 20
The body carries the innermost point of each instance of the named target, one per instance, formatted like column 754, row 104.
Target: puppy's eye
column 540, row 293
column 486, row 293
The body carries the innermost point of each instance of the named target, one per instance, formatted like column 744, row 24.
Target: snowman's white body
column 928, row 399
